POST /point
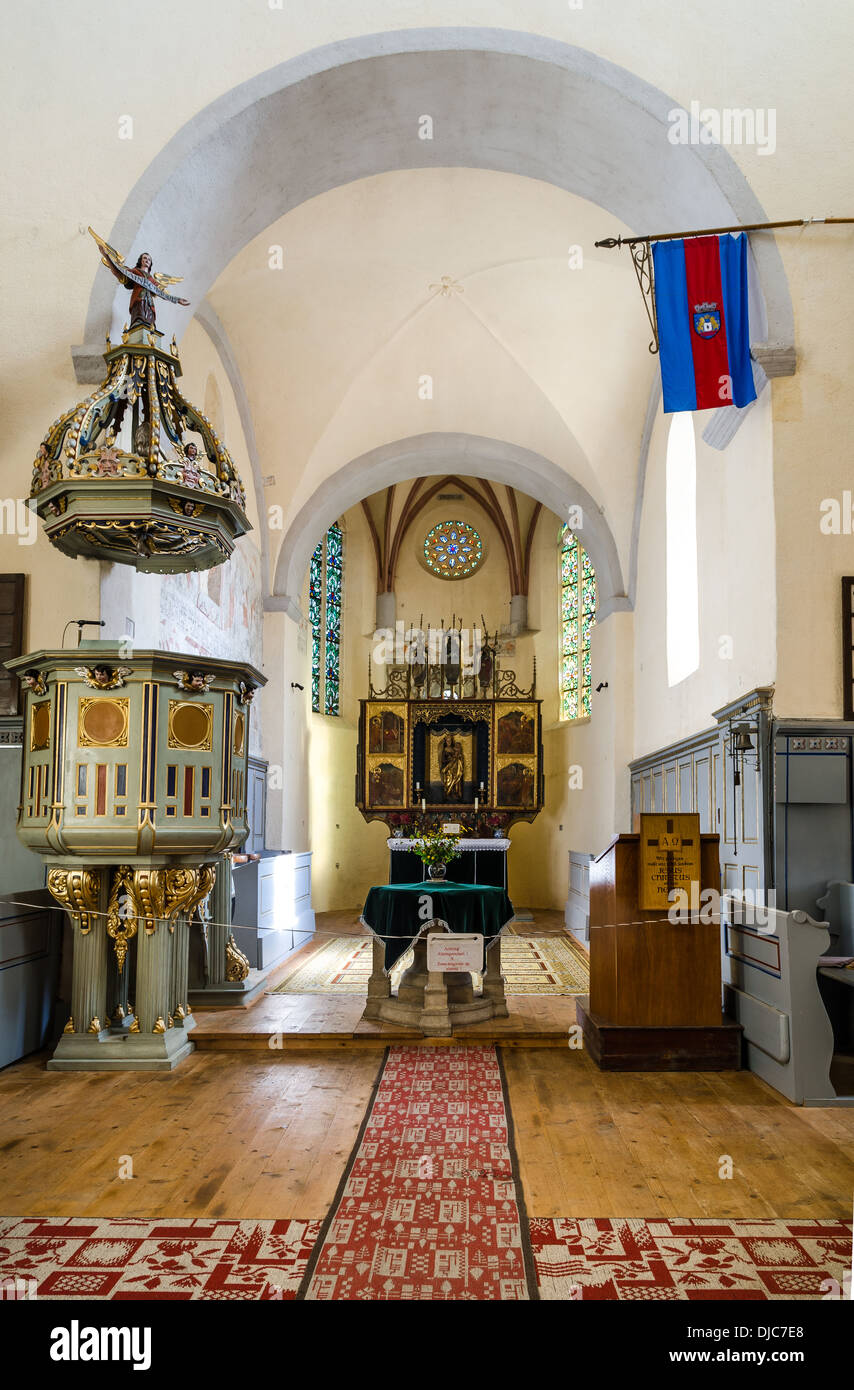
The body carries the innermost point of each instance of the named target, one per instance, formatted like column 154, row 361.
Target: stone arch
column 504, row 100
column 439, row 452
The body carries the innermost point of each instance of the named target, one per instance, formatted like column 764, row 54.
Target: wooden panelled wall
column 697, row 775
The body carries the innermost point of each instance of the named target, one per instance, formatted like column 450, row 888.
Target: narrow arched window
column 683, row 599
column 577, row 616
column 325, row 592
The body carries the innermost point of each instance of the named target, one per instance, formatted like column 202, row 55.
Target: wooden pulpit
column 655, row 981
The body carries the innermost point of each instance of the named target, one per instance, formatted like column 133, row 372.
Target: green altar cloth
column 392, row 911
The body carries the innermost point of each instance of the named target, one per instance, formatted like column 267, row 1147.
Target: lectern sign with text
column 669, row 858
column 450, row 951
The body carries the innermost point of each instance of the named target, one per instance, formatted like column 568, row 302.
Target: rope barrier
column 209, row 921
column 754, row 913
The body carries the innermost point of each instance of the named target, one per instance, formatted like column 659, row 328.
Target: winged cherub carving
column 196, row 681
column 103, row 677
column 144, row 282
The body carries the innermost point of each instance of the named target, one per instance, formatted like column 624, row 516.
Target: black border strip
column 524, row 1226
column 847, row 653
column 313, row 1258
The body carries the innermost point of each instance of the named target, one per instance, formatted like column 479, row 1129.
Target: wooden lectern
column 655, row 983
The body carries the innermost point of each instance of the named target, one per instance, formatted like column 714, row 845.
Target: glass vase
column 436, row 872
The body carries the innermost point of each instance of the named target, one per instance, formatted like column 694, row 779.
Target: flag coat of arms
column 703, row 331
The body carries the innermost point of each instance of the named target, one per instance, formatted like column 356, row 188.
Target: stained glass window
column 315, row 609
column 334, row 574
column 453, row 549
column 577, row 616
column 325, row 583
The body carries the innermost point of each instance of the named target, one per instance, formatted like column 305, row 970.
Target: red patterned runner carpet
column 430, row 1206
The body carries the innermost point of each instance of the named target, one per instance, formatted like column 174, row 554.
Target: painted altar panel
column 385, row 741
column 386, row 782
column 386, row 732
column 516, row 784
column 517, row 768
column 516, row 730
column 451, row 752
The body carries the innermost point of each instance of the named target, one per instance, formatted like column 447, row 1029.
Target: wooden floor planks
column 249, row 1135
column 597, row 1143
column 265, row 1133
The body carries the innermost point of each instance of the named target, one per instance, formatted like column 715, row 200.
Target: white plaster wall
column 284, row 718
column 813, row 447
column 736, row 552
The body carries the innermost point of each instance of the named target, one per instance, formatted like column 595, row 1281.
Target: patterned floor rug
column 184, row 1259
column 430, row 1206
column 691, row 1260
column 74, row 1257
column 531, row 965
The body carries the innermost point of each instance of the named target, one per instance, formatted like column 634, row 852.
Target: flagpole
column 610, row 242
column 641, row 249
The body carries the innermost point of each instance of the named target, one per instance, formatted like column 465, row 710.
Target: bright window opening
column 683, row 598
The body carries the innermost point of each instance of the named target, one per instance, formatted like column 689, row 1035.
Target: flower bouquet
column 435, row 849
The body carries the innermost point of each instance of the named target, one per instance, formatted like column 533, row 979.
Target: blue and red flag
column 703, row 332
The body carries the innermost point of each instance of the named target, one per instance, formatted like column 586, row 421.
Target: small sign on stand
column 669, row 858
column 454, row 951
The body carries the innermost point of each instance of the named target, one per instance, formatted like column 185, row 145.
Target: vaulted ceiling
column 451, row 300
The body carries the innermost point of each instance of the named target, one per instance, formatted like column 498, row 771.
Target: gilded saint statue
column 451, row 767
column 144, row 282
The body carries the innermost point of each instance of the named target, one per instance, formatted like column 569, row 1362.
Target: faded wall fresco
column 217, row 612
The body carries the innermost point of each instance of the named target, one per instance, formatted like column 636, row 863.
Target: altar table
column 392, row 911
column 476, row 861
column 434, row 1000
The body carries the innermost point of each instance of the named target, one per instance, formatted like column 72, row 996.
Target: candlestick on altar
column 423, row 804
column 475, row 805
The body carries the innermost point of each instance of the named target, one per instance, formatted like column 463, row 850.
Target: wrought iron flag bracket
column 642, row 262
column 641, row 249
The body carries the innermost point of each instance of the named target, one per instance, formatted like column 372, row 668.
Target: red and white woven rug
column 691, row 1260
column 430, row 1206
column 74, row 1257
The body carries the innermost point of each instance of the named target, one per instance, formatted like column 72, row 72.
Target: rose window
column 453, row 549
